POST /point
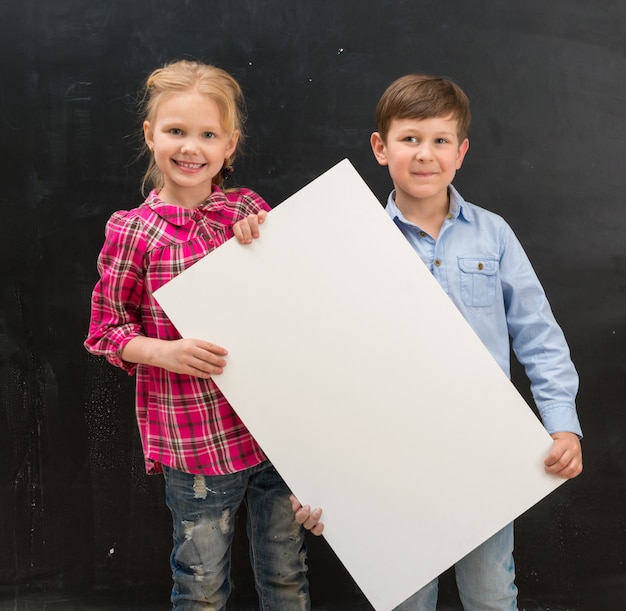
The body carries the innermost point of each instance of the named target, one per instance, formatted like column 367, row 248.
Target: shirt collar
column 459, row 208
column 179, row 216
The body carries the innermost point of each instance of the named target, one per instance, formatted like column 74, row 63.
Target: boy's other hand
column 566, row 457
column 247, row 229
column 309, row 519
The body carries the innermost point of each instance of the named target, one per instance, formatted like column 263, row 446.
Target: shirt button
column 422, row 234
column 211, row 242
column 437, row 262
column 481, row 266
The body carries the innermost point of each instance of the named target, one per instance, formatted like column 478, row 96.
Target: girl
column 193, row 127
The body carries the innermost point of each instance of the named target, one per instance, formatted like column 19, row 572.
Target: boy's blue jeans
column 485, row 579
column 203, row 511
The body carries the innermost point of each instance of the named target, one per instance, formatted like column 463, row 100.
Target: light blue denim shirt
column 484, row 270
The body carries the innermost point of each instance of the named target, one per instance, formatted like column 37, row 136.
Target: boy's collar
column 458, row 206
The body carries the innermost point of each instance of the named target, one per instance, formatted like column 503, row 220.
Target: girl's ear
column 379, row 148
column 148, row 135
column 232, row 145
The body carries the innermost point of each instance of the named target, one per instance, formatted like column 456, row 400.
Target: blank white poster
column 365, row 386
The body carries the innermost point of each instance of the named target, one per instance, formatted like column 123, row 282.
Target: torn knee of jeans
column 199, row 529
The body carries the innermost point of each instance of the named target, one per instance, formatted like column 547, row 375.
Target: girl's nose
column 189, row 146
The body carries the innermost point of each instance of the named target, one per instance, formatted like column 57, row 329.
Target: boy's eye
column 411, row 139
column 175, row 131
column 441, row 141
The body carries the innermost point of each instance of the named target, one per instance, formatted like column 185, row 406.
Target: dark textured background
column 79, row 520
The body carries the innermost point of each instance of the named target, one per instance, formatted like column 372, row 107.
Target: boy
column 422, row 124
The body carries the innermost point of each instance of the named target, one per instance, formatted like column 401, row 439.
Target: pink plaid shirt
column 184, row 422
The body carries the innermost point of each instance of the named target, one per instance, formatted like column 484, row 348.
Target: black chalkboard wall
column 79, row 519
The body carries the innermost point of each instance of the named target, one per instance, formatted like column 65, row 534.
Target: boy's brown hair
column 420, row 96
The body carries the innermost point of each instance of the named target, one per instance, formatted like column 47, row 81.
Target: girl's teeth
column 189, row 165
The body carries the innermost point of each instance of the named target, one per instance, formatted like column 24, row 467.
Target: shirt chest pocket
column 478, row 277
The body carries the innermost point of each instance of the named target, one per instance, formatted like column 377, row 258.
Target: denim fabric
column 485, row 579
column 203, row 511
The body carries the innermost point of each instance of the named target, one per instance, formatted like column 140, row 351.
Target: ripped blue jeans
column 203, row 511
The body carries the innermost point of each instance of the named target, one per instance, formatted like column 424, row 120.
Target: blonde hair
column 184, row 76
column 420, row 96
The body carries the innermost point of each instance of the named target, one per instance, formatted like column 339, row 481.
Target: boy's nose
column 423, row 152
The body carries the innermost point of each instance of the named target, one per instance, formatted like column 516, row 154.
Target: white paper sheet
column 365, row 386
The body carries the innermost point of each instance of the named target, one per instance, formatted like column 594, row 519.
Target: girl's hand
column 309, row 519
column 247, row 229
column 565, row 458
column 193, row 357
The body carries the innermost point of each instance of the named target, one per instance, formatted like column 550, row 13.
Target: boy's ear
column 460, row 156
column 378, row 148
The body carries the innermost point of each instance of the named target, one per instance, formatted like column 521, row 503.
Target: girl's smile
column 184, row 165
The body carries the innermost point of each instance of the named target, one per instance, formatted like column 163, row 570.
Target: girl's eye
column 175, row 131
column 209, row 135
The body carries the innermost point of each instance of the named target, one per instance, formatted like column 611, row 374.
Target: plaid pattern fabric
column 184, row 422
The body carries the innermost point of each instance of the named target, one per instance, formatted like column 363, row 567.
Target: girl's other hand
column 310, row 519
column 247, row 229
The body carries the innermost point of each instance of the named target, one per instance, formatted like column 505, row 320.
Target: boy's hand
column 309, row 519
column 247, row 229
column 566, row 457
